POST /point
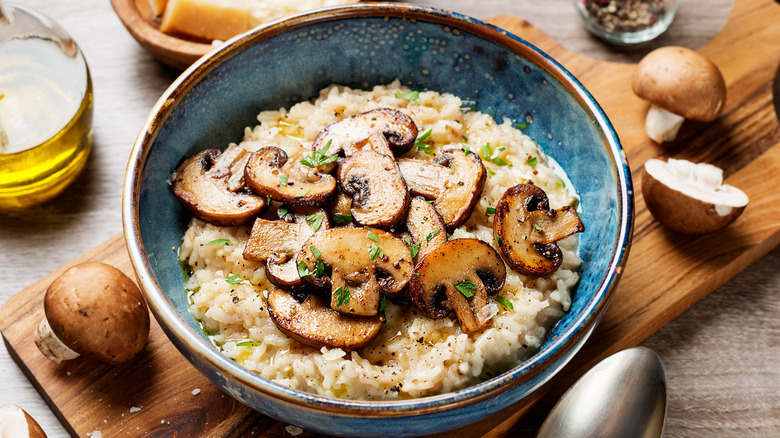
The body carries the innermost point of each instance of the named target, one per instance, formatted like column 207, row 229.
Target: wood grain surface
column 715, row 389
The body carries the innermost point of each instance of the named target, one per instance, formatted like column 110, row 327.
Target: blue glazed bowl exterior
column 289, row 61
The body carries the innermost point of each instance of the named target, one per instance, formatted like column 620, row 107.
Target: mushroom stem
column 662, row 125
column 50, row 345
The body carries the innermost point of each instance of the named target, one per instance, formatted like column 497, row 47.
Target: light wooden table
column 722, row 356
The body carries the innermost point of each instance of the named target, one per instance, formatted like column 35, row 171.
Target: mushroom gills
column 313, row 323
column 458, row 277
column 454, row 181
column 209, row 191
column 527, row 229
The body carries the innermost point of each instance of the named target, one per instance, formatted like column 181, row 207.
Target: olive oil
column 45, row 119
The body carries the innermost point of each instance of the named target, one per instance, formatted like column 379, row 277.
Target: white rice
column 414, row 356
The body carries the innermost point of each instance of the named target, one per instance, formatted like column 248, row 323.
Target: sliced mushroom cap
column 313, row 323
column 690, row 198
column 16, row 423
column 527, row 229
column 387, row 127
column 426, row 227
column 214, row 192
column 364, row 263
column 379, row 195
column 445, row 277
column 286, row 179
column 454, row 182
column 277, row 242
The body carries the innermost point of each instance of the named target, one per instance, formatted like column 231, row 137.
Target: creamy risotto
column 413, row 356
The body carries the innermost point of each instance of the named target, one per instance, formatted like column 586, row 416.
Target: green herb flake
column 303, row 270
column 407, row 240
column 489, row 211
column 432, row 234
column 320, row 157
column 532, row 162
column 283, row 180
column 342, row 295
column 315, row 221
column 281, row 212
column 301, row 195
column 490, row 172
column 341, row 219
column 466, row 148
column 383, row 304
column 234, row 279
column 466, row 139
column 467, row 288
column 521, row 125
column 412, row 95
column 504, row 302
column 420, row 143
column 319, row 269
column 372, row 236
column 498, row 240
column 499, row 162
column 218, row 242
column 416, row 274
column 248, row 343
column 486, row 151
column 375, row 252
column 538, row 227
column 317, row 253
column 575, row 203
column 414, row 249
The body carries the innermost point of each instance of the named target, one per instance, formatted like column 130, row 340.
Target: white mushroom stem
column 50, row 345
column 662, row 125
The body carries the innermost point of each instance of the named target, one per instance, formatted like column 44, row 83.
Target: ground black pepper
column 624, row 15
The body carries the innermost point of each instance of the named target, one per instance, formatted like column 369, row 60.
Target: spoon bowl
column 624, row 395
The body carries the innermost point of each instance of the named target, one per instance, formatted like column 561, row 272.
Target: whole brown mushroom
column 679, row 84
column 94, row 310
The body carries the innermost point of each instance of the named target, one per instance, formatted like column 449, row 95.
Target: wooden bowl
column 177, row 51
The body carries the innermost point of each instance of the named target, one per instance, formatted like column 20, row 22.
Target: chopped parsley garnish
column 575, row 203
column 317, row 253
column 489, row 211
column 498, row 240
column 341, row 219
column 414, row 249
column 466, row 148
column 248, row 343
column 234, row 279
column 532, row 162
column 303, row 270
column 412, row 95
column 467, row 288
column 432, row 234
column 520, row 125
column 342, row 295
column 486, row 151
column 281, row 212
column 372, row 236
column 466, row 139
column 538, row 227
column 302, row 194
column 420, row 141
column 490, row 172
column 498, row 161
column 283, row 180
column 375, row 252
column 218, row 242
column 319, row 269
column 315, row 221
column 416, row 274
column 383, row 304
column 504, row 302
column 319, row 158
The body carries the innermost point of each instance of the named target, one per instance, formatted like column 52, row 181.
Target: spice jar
column 45, row 108
column 626, row 22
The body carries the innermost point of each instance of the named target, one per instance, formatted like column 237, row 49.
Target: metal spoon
column 624, row 395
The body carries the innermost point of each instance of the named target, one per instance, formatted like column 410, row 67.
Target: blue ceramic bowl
column 289, row 61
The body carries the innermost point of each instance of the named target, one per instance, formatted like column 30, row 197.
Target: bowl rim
column 178, row 329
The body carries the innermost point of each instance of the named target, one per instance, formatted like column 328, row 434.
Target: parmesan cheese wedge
column 207, row 19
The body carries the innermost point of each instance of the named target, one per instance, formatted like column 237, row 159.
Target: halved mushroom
column 363, row 263
column 458, row 276
column 426, row 228
column 454, row 181
column 211, row 187
column 387, row 128
column 313, row 323
column 16, row 423
column 277, row 242
column 379, row 195
column 526, row 229
column 286, row 179
column 690, row 198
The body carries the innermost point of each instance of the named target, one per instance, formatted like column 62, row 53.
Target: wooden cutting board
column 161, row 394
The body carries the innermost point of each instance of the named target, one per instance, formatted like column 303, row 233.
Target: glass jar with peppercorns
column 626, row 22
